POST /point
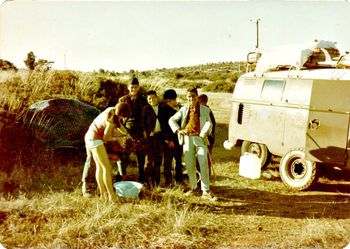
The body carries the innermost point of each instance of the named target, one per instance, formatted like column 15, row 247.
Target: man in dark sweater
column 137, row 102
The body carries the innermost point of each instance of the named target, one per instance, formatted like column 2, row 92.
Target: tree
column 41, row 64
column 30, row 61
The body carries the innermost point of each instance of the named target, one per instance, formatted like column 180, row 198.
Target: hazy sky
column 123, row 35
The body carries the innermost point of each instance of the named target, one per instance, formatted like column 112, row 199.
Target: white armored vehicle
column 295, row 105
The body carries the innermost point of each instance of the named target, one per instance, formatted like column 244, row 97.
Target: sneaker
column 86, row 194
column 208, row 196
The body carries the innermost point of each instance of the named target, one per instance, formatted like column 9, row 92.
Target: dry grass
column 44, row 207
column 249, row 214
column 163, row 219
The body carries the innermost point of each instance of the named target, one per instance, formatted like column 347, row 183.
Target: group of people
column 158, row 132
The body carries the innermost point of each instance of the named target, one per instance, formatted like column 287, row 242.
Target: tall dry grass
column 22, row 88
column 41, row 205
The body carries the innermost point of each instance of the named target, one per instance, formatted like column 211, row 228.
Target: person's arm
column 122, row 130
column 173, row 121
column 212, row 118
column 108, row 133
column 208, row 124
column 144, row 116
column 111, row 123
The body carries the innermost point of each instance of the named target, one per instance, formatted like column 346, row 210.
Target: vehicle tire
column 259, row 149
column 296, row 172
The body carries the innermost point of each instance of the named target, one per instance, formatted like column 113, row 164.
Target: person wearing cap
column 99, row 132
column 195, row 126
column 172, row 148
column 137, row 102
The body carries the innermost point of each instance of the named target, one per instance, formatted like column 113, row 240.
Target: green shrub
column 178, row 75
column 220, row 86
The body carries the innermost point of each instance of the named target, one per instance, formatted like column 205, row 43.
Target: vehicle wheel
column 296, row 172
column 259, row 149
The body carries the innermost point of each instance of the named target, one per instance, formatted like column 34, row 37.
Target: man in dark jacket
column 153, row 136
column 172, row 149
column 136, row 101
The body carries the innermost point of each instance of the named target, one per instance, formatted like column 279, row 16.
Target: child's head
column 169, row 97
column 123, row 110
column 152, row 98
column 203, row 99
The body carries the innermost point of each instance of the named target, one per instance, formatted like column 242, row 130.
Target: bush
column 178, row 75
column 6, row 65
column 109, row 92
column 220, row 86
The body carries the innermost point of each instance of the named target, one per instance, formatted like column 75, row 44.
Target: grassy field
column 45, row 209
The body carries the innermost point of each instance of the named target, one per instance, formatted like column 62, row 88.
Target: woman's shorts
column 93, row 143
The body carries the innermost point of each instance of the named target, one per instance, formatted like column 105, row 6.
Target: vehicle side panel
column 327, row 135
column 261, row 124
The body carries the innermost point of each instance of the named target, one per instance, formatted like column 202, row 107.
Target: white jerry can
column 250, row 166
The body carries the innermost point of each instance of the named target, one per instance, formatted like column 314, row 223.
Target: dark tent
column 60, row 122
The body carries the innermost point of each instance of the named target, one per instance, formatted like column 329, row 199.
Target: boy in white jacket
column 193, row 135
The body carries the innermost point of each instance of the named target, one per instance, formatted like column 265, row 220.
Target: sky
column 144, row 35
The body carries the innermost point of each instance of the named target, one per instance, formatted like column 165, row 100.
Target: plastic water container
column 250, row 166
column 129, row 189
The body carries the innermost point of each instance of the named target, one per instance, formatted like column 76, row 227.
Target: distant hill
column 21, row 88
column 212, row 76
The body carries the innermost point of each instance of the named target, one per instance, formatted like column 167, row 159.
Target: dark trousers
column 169, row 155
column 141, row 164
column 136, row 134
column 154, row 158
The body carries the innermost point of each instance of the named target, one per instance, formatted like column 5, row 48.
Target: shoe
column 84, row 190
column 189, row 193
column 208, row 196
column 86, row 194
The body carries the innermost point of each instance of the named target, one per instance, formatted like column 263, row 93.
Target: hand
column 171, row 144
column 144, row 134
column 181, row 132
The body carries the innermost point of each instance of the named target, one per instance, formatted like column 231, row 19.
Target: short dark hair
column 203, row 98
column 151, row 92
column 192, row 90
column 169, row 94
column 123, row 109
